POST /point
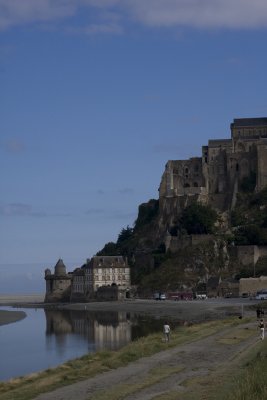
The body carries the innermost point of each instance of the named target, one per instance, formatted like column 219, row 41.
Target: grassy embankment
column 26, row 388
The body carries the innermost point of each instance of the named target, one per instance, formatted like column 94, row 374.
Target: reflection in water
column 109, row 330
column 49, row 337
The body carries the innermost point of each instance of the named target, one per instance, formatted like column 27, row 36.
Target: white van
column 261, row 294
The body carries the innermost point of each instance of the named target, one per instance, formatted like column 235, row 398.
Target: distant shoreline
column 10, row 299
column 194, row 311
column 8, row 317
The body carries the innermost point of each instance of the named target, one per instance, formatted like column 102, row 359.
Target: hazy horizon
column 26, row 278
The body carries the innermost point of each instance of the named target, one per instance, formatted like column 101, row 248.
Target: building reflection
column 102, row 330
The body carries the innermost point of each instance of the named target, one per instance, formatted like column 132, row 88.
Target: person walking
column 261, row 326
column 166, row 331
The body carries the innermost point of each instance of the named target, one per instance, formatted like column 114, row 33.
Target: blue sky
column 96, row 97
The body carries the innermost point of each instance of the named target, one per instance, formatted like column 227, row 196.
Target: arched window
column 195, row 184
column 186, row 185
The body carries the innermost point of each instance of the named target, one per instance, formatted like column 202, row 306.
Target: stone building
column 58, row 285
column 104, row 277
column 216, row 176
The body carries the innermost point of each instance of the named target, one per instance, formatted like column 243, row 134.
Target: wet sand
column 7, row 317
column 195, row 310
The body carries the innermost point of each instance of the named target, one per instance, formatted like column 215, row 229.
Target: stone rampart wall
column 252, row 285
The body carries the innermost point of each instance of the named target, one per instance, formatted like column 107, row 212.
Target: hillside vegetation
column 154, row 268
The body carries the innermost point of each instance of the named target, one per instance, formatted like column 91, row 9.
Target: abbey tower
column 217, row 176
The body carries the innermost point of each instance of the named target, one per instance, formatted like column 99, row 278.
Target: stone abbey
column 216, row 176
column 215, row 179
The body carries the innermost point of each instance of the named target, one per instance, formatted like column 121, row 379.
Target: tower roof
column 60, row 268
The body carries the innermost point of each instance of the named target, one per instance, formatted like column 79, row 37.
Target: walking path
column 165, row 371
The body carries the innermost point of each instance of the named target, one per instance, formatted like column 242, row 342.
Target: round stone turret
column 47, row 272
column 60, row 268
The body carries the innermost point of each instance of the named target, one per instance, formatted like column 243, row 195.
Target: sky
column 96, row 96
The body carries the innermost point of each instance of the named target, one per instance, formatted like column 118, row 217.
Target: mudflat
column 7, row 317
column 194, row 310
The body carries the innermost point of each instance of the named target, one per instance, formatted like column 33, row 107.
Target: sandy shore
column 195, row 310
column 7, row 317
column 11, row 299
column 182, row 310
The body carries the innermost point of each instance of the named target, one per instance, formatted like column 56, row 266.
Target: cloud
column 200, row 13
column 25, row 210
column 94, row 211
column 15, row 209
column 126, row 191
column 111, row 16
column 93, row 29
column 111, row 214
column 17, row 12
column 13, row 145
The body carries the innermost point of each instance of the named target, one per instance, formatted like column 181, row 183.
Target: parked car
column 261, row 295
column 201, row 296
column 159, row 296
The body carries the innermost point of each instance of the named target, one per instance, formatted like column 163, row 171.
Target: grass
column 28, row 387
column 251, row 383
column 243, row 379
column 119, row 392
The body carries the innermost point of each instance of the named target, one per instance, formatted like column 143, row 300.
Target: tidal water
column 47, row 338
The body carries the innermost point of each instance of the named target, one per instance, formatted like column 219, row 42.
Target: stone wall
column 252, row 285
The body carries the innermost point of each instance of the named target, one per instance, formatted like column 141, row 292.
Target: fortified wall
column 215, row 177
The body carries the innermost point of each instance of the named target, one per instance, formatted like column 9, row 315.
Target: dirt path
column 166, row 371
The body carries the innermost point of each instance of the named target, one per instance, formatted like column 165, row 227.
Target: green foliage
column 125, row 235
column 250, row 235
column 146, row 213
column 237, row 217
column 252, row 382
column 110, row 249
column 198, row 219
column 245, row 272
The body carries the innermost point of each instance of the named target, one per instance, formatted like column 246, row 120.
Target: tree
column 198, row 219
column 110, row 249
column 125, row 234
